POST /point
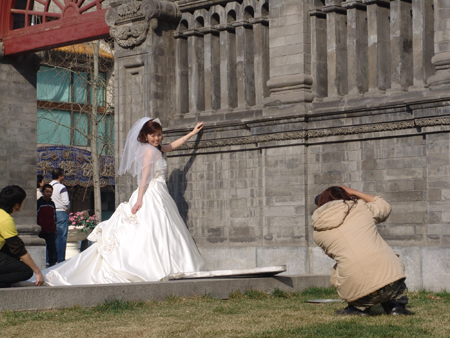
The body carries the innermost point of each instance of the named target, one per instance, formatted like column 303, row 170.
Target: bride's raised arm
column 182, row 140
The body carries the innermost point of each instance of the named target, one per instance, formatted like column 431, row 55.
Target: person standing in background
column 46, row 219
column 61, row 199
column 40, row 184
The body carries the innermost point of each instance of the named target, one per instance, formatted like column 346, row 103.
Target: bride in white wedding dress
column 145, row 239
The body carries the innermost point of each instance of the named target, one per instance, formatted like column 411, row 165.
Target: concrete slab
column 268, row 271
column 57, row 297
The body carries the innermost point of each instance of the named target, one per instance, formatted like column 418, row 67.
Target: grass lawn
column 252, row 314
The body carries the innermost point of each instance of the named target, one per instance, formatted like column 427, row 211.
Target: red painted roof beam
column 57, row 33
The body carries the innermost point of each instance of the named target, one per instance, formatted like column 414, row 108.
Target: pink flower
column 73, row 223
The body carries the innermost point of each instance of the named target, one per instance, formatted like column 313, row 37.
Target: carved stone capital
column 130, row 20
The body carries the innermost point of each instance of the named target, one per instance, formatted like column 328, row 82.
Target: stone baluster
column 423, row 40
column 336, row 48
column 261, row 48
column 319, row 53
column 212, row 68
column 401, row 45
column 182, row 77
column 379, row 45
column 357, row 47
column 228, row 97
column 441, row 58
column 245, row 69
column 196, row 70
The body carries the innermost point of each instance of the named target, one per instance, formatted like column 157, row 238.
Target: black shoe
column 351, row 311
column 399, row 310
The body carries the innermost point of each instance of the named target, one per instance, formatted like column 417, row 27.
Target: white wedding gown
column 144, row 247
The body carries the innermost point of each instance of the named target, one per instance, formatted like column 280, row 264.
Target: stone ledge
column 57, row 297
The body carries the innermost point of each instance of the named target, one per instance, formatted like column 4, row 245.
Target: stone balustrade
column 223, row 58
column 372, row 46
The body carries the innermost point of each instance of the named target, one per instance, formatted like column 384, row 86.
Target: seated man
column 16, row 264
column 367, row 271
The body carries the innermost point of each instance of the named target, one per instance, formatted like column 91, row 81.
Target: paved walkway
column 56, row 297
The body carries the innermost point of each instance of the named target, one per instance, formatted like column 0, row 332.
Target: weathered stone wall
column 247, row 194
column 356, row 94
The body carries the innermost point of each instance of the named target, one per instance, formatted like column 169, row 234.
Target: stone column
column 245, row 68
column 401, row 45
column 441, row 58
column 261, row 47
column 319, row 53
column 423, row 41
column 182, row 73
column 18, row 143
column 379, row 48
column 336, row 48
column 144, row 68
column 196, row 70
column 357, row 47
column 228, row 95
column 290, row 80
column 212, row 68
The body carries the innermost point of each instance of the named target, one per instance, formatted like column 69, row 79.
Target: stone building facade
column 296, row 96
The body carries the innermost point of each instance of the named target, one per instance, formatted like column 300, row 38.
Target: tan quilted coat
column 364, row 261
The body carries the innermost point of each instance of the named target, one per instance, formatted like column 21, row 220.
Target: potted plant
column 80, row 226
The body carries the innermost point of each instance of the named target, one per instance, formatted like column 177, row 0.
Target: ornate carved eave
column 130, row 20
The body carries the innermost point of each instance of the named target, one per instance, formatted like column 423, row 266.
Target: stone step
column 57, row 297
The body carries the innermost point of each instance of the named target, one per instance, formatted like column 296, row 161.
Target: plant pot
column 74, row 236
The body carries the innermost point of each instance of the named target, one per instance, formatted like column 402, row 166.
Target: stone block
column 295, row 258
column 225, row 258
column 406, row 218
column 320, row 263
column 411, row 258
column 435, row 268
column 438, row 229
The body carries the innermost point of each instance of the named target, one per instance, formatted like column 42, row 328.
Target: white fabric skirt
column 147, row 246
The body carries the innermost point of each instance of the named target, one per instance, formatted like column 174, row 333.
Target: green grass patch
column 245, row 314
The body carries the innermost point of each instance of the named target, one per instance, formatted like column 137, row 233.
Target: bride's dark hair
column 334, row 193
column 149, row 127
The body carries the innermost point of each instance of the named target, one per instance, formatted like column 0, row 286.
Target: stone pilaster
column 182, row 76
column 196, row 59
column 228, row 97
column 319, row 53
column 441, row 58
column 401, row 45
column 18, row 143
column 262, row 65
column 423, row 40
column 290, row 54
column 379, row 47
column 245, row 71
column 212, row 68
column 336, row 48
column 357, row 47
column 144, row 69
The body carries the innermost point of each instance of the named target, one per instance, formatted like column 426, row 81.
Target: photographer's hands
column 353, row 192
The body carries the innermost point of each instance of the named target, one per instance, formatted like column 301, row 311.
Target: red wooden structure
column 33, row 25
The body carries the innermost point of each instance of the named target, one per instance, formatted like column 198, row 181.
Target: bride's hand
column 197, row 128
column 136, row 207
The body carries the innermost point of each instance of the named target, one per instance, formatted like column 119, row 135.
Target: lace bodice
column 160, row 170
